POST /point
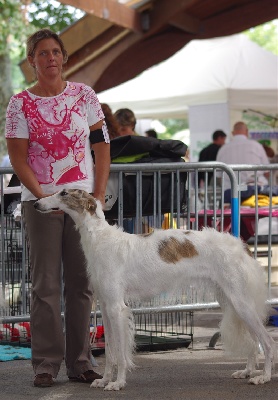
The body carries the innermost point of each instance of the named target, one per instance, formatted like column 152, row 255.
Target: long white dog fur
column 123, row 267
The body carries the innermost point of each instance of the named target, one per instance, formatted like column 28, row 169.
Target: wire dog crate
column 154, row 331
column 15, row 268
column 163, row 331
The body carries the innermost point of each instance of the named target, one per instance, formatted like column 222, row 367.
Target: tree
column 12, row 20
column 18, row 20
column 172, row 126
column 53, row 14
column 265, row 35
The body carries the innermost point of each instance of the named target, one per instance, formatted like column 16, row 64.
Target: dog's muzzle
column 40, row 208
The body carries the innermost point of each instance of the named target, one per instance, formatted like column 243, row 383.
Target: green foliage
column 52, row 14
column 256, row 120
column 172, row 126
column 265, row 35
column 11, row 21
column 20, row 21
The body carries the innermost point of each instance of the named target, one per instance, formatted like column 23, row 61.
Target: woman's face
column 48, row 59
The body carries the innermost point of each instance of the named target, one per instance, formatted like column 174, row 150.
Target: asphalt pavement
column 193, row 373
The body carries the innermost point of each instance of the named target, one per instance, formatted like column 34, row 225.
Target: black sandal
column 86, row 377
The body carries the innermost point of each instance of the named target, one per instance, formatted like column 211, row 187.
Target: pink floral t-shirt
column 58, row 132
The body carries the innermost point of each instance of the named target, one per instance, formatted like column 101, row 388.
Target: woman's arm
column 102, row 165
column 18, row 153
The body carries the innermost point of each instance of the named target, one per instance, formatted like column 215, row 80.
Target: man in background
column 151, row 133
column 209, row 153
column 243, row 150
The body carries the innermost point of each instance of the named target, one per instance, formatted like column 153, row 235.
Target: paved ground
column 192, row 374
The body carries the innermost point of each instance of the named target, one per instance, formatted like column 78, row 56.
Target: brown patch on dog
column 90, row 205
column 187, row 232
column 79, row 200
column 172, row 251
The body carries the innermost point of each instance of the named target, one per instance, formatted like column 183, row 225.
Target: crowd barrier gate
column 163, row 315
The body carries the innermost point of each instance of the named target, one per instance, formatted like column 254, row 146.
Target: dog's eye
column 63, row 193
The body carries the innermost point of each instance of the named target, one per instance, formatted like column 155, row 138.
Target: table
column 247, row 219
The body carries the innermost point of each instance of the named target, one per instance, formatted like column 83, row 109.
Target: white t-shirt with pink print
column 58, row 131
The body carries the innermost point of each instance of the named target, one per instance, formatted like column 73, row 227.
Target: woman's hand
column 18, row 153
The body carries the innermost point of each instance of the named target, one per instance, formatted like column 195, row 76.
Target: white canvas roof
column 230, row 69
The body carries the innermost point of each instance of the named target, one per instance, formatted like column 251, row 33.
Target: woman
column 111, row 122
column 126, row 120
column 47, row 131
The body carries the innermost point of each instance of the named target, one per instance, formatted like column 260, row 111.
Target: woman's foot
column 86, row 377
column 43, row 380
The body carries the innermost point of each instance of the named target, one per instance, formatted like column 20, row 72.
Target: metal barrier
column 188, row 207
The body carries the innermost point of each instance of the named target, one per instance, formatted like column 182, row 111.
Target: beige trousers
column 54, row 242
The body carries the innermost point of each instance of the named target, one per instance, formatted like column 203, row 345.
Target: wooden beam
column 164, row 11
column 239, row 19
column 110, row 10
column 75, row 37
column 137, row 58
column 186, row 23
column 91, row 72
column 93, row 54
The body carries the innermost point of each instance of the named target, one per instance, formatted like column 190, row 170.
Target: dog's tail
column 247, row 309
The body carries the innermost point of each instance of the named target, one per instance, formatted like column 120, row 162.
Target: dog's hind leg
column 244, row 322
column 249, row 370
column 269, row 348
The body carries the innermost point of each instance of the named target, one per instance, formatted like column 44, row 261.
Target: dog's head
column 71, row 201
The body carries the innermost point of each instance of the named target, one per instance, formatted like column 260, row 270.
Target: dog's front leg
column 119, row 324
column 108, row 372
column 117, row 318
column 109, row 361
column 109, row 369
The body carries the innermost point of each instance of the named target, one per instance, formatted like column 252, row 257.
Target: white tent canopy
column 232, row 70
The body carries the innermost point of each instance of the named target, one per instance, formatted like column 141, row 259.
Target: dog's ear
column 99, row 212
column 89, row 203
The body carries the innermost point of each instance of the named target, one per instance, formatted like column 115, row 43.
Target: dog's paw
column 117, row 385
column 98, row 383
column 259, row 380
column 242, row 374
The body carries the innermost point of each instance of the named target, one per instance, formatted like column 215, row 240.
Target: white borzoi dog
column 124, row 266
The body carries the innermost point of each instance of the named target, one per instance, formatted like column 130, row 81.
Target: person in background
column 151, row 133
column 126, row 120
column 47, row 131
column 111, row 122
column 5, row 163
column 209, row 153
column 269, row 150
column 243, row 150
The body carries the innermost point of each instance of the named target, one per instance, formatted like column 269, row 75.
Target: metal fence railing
column 147, row 196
